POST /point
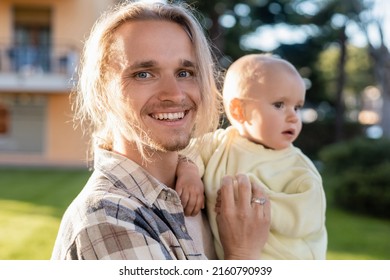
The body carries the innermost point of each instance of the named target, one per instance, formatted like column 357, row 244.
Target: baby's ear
column 236, row 110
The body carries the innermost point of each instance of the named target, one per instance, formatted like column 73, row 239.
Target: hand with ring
column 243, row 217
column 261, row 200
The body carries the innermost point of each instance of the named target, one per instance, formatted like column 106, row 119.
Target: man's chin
column 177, row 145
column 173, row 146
column 176, row 148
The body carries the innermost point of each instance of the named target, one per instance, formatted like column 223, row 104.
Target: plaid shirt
column 124, row 213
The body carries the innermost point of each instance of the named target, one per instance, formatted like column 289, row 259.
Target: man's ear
column 237, row 110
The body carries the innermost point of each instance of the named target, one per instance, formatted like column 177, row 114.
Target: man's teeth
column 168, row 116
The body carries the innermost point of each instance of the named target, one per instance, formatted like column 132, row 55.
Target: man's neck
column 161, row 165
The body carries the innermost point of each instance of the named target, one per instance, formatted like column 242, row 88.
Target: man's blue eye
column 184, row 74
column 142, row 75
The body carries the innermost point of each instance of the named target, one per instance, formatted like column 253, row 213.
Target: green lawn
column 32, row 202
column 357, row 237
column 31, row 206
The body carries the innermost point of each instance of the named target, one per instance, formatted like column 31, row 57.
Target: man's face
column 158, row 81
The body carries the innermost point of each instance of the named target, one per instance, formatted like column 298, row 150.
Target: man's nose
column 171, row 89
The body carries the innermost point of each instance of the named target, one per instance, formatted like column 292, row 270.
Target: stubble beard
column 176, row 143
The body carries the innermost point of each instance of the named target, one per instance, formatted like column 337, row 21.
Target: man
column 146, row 87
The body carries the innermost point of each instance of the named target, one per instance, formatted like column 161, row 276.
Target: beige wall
column 64, row 143
column 72, row 19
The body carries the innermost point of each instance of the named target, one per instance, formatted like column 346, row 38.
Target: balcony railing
column 37, row 67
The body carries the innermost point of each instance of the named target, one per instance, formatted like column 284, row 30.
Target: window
column 4, row 119
column 32, row 35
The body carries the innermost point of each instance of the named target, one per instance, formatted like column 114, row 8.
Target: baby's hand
column 189, row 187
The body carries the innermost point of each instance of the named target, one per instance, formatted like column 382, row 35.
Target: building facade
column 40, row 41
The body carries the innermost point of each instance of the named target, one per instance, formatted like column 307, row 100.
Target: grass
column 32, row 202
column 357, row 237
column 354, row 236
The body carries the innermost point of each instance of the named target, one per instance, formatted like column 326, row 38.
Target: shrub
column 360, row 174
column 314, row 136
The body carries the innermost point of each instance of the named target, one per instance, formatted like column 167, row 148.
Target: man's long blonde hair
column 91, row 99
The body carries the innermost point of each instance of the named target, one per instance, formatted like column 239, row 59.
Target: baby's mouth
column 289, row 132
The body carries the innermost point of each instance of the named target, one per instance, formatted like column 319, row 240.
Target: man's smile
column 169, row 116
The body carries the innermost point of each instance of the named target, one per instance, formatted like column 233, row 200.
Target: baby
column 262, row 97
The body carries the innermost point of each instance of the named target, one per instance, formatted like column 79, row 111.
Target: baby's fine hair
column 251, row 68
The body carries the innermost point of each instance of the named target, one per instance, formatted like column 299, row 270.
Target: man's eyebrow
column 142, row 64
column 152, row 63
column 188, row 63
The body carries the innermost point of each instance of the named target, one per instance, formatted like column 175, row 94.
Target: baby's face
column 272, row 110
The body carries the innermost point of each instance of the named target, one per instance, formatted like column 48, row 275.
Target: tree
column 358, row 69
column 229, row 22
column 346, row 11
column 380, row 55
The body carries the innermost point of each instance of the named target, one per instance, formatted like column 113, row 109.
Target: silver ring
column 261, row 200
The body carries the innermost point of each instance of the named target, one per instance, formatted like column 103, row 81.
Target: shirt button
column 183, row 228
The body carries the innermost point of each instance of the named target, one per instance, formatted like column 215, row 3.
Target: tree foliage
column 229, row 23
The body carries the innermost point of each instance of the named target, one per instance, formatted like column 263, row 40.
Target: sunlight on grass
column 357, row 237
column 335, row 255
column 32, row 202
column 27, row 230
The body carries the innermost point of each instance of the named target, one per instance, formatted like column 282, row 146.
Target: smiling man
column 146, row 88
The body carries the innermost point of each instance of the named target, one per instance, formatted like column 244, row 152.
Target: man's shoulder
column 116, row 175
column 100, row 202
column 106, row 191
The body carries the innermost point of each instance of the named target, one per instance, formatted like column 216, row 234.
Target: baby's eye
column 279, row 105
column 298, row 108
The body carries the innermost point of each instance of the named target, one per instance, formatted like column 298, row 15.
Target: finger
column 264, row 209
column 244, row 189
column 260, row 199
column 198, row 205
column 258, row 191
column 191, row 208
column 235, row 188
column 195, row 211
column 217, row 209
column 202, row 201
column 227, row 193
column 184, row 199
column 267, row 209
column 179, row 191
column 218, row 201
column 218, row 204
column 218, row 196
